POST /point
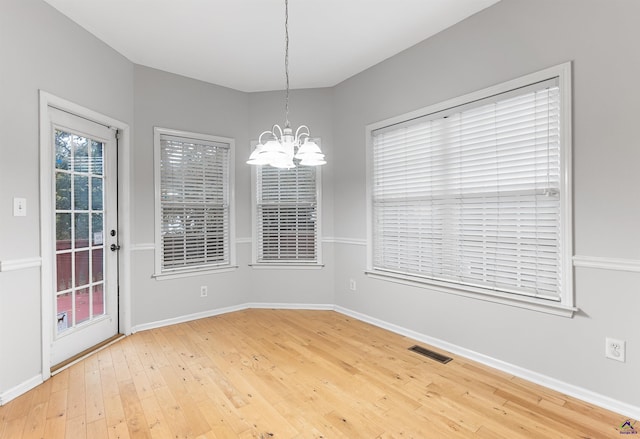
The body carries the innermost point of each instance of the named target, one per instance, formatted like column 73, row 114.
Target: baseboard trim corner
column 186, row 318
column 226, row 310
column 301, row 306
column 21, row 388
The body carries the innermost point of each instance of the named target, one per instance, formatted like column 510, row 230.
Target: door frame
column 46, row 226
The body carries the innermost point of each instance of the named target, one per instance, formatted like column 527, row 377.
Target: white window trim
column 280, row 265
column 194, row 271
column 566, row 306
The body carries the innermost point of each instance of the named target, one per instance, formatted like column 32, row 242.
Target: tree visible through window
column 286, row 218
column 194, row 209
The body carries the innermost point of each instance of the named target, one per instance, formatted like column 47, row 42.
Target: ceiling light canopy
column 280, row 147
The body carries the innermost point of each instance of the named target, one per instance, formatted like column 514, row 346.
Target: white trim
column 563, row 73
column 618, row 264
column 299, row 306
column 20, row 389
column 20, row 264
column 347, row 241
column 187, row 318
column 88, row 354
column 531, row 303
column 124, row 227
column 230, row 309
column 47, row 100
column 246, row 240
column 143, row 247
column 529, row 375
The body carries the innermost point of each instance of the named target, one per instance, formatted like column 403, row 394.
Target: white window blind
column 286, row 215
column 194, row 203
column 471, row 197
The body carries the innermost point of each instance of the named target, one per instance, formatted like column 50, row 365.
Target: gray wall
column 40, row 49
column 170, row 101
column 510, row 39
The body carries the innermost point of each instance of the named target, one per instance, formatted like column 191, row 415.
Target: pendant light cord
column 286, row 60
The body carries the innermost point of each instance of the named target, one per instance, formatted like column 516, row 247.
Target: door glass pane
column 96, row 157
column 97, row 270
column 96, row 193
column 63, row 271
column 82, row 230
column 80, row 224
column 98, row 300
column 83, row 310
column 97, row 229
column 81, row 192
column 80, row 154
column 63, row 231
column 64, row 314
column 82, row 268
column 63, row 150
column 63, row 191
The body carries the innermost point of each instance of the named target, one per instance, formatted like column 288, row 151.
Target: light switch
column 19, row 207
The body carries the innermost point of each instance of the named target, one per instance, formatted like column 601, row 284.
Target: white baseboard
column 187, row 318
column 21, row 388
column 529, row 375
column 307, row 306
column 219, row 311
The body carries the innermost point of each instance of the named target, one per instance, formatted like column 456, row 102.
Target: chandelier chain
column 283, row 146
column 286, row 59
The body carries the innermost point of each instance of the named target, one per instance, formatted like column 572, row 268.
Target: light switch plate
column 19, row 207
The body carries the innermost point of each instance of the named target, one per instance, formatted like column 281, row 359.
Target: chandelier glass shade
column 281, row 147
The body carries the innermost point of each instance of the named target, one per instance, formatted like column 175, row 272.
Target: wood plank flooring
column 289, row 374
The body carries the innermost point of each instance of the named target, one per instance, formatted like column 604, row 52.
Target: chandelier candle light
column 279, row 147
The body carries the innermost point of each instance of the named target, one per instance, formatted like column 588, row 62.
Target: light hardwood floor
column 289, row 374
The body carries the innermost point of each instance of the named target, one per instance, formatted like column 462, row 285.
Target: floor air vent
column 433, row 355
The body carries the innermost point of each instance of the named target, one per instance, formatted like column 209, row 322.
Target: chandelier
column 280, row 146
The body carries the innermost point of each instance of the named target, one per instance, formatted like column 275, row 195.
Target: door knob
column 114, row 247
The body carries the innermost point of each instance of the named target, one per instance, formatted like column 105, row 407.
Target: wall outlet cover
column 615, row 349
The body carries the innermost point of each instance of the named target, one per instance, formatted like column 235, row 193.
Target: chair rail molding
column 617, row 264
column 20, row 264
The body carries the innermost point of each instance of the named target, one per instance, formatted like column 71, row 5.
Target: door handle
column 114, row 247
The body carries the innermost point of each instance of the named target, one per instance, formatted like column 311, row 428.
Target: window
column 194, row 215
column 472, row 195
column 287, row 208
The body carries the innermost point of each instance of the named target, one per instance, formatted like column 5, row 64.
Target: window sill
column 531, row 303
column 280, row 266
column 189, row 273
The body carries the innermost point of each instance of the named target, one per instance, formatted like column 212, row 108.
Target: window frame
column 563, row 307
column 159, row 273
column 255, row 263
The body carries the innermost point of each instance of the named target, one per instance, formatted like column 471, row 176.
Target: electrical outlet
column 203, row 291
column 352, row 284
column 615, row 349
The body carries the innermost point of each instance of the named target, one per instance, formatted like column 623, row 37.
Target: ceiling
column 240, row 43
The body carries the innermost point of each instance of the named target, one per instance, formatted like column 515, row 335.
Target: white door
column 85, row 247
